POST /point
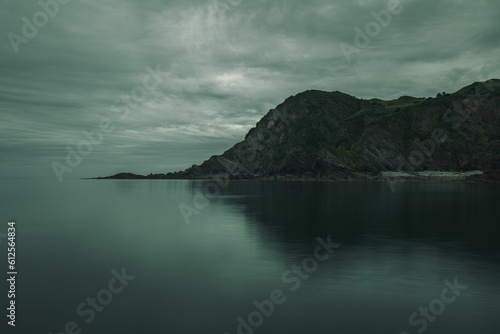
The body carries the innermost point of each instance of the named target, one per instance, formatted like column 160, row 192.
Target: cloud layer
column 223, row 65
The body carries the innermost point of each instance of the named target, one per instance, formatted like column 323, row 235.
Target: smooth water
column 396, row 250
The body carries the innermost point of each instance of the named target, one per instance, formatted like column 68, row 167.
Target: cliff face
column 335, row 135
column 331, row 135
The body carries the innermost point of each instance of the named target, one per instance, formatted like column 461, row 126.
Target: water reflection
column 397, row 249
column 429, row 212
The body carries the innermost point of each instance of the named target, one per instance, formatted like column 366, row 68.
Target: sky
column 92, row 88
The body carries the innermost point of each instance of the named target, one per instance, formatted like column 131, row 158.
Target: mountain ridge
column 332, row 135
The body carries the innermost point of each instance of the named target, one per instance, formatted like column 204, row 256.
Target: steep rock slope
column 335, row 135
column 332, row 135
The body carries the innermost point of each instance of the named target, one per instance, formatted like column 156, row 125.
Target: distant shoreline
column 424, row 176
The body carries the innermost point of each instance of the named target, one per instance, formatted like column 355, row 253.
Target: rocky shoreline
column 430, row 176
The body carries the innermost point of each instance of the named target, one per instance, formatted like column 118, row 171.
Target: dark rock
column 331, row 135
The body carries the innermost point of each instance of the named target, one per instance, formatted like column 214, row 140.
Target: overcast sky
column 222, row 66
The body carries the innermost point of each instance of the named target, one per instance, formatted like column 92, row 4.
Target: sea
column 252, row 257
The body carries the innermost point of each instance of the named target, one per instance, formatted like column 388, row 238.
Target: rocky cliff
column 332, row 135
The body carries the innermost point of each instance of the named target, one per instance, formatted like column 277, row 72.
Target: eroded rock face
column 318, row 134
column 332, row 135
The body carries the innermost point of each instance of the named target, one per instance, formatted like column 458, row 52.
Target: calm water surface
column 397, row 249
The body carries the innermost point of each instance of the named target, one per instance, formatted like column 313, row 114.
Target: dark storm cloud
column 222, row 69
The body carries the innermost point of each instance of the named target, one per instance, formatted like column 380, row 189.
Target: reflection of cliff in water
column 429, row 212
